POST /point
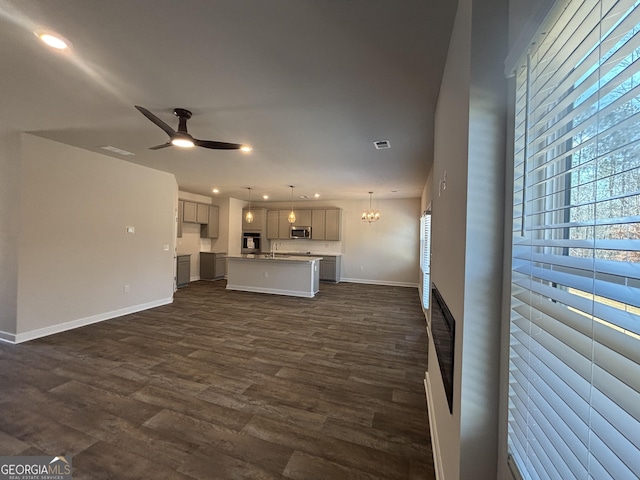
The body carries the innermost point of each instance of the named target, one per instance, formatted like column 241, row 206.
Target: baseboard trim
column 81, row 322
column 435, row 444
column 379, row 282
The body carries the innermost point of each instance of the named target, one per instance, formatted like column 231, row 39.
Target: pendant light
column 370, row 215
column 248, row 218
column 292, row 216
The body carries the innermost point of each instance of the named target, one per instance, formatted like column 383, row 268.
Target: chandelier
column 291, row 218
column 248, row 218
column 370, row 215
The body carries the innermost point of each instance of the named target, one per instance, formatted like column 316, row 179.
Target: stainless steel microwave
column 300, row 232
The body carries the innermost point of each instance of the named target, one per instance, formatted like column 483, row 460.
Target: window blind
column 425, row 257
column 574, row 366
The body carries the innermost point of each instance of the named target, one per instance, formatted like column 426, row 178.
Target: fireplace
column 443, row 329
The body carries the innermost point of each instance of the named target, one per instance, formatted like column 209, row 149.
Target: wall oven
column 251, row 242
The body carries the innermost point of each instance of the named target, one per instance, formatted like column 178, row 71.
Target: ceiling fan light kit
column 182, row 138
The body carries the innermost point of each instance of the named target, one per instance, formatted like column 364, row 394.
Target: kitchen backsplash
column 303, row 246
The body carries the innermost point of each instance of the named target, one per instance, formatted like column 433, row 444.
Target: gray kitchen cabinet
column 259, row 220
column 211, row 229
column 303, row 218
column 284, row 227
column 190, row 212
column 202, row 213
column 333, row 219
column 330, row 270
column 317, row 224
column 183, row 270
column 180, row 220
column 212, row 265
column 273, row 224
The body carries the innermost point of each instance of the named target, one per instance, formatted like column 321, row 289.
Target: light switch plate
column 131, row 230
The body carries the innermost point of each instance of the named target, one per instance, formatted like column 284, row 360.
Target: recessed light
column 53, row 40
column 266, row 197
column 316, row 195
column 215, row 190
column 246, row 148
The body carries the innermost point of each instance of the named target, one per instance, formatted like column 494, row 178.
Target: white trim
column 273, row 291
column 379, row 282
column 81, row 322
column 194, row 279
column 435, row 444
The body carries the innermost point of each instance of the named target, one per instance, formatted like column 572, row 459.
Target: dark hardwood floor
column 230, row 385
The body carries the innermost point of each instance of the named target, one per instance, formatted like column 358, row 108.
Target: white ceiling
column 309, row 84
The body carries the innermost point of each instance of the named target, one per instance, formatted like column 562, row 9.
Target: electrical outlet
column 361, row 268
column 126, row 289
column 131, row 230
column 266, row 274
column 165, row 247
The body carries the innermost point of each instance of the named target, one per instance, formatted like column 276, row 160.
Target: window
column 574, row 350
column 425, row 257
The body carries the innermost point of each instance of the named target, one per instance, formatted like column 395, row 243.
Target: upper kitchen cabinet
column 190, row 212
column 284, row 227
column 303, row 218
column 202, row 213
column 211, row 228
column 325, row 224
column 193, row 212
column 318, row 224
column 259, row 223
column 272, row 224
column 333, row 219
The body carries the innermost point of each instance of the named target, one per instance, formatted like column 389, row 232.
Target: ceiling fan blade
column 158, row 147
column 217, row 145
column 168, row 130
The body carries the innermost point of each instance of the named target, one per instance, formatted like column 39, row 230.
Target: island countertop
column 277, row 257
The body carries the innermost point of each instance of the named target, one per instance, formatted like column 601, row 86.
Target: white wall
column 467, row 230
column 9, row 228
column 75, row 256
column 385, row 252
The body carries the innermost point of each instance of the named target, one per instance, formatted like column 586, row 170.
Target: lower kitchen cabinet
column 212, row 265
column 183, row 270
column 330, row 269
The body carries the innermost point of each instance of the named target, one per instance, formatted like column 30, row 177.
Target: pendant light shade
column 248, row 218
column 370, row 215
column 291, row 218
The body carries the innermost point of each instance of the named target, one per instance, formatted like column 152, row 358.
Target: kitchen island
column 292, row 275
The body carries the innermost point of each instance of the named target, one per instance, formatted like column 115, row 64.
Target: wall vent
column 381, row 144
column 116, row 150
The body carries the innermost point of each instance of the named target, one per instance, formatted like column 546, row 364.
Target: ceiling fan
column 181, row 137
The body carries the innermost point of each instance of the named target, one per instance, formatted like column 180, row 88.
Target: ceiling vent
column 116, row 150
column 381, row 144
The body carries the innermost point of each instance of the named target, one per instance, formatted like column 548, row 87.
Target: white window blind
column 574, row 368
column 425, row 257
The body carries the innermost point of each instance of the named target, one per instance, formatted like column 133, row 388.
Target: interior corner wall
column 75, row 253
column 481, row 330
column 9, row 241
column 448, row 226
column 467, row 237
